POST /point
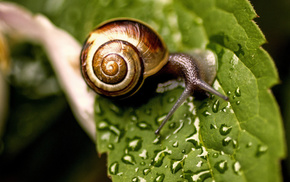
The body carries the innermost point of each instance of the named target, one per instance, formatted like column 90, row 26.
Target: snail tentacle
column 180, row 63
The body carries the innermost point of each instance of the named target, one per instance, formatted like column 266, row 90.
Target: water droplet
column 175, row 144
column 206, row 113
column 238, row 92
column 144, row 154
column 215, row 155
column 172, row 125
column 249, row 144
column 159, row 156
column 215, row 106
column 193, row 138
column 148, row 111
column 213, row 126
column 181, row 123
column 114, row 168
column 199, row 164
column 115, row 130
column 234, row 96
column 110, row 146
column 221, row 166
column 200, row 176
column 262, row 149
column 229, row 93
column 133, row 118
column 146, row 171
column 159, row 178
column 156, row 140
column 134, row 144
column 238, row 102
column 135, row 179
column 235, row 144
column 183, row 151
column 98, row 109
column 144, row 126
column 142, row 163
column 176, row 166
column 224, row 129
column 171, row 99
column 237, row 168
column 115, row 109
column 160, row 119
column 103, row 125
column 128, row 159
column 203, row 105
column 226, row 141
column 224, row 109
column 136, row 169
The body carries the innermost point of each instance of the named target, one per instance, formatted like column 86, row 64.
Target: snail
column 120, row 54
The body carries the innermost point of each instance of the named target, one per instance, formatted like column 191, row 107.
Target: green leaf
column 239, row 140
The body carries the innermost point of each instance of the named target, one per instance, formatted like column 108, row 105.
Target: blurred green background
column 43, row 141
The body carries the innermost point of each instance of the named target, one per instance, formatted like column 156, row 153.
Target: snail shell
column 119, row 54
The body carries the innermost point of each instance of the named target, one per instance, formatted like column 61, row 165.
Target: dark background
column 55, row 148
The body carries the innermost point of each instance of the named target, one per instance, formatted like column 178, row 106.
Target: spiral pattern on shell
column 119, row 54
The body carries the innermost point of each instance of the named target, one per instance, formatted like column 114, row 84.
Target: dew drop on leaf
column 135, row 179
column 133, row 118
column 262, row 149
column 229, row 93
column 215, row 106
column 200, row 176
column 159, row 178
column 238, row 102
column 181, row 123
column 249, row 144
column 156, row 140
column 114, row 168
column 224, row 129
column 160, row 119
column 221, row 166
column 144, row 154
column 206, row 113
column 144, row 126
column 115, row 130
column 235, row 144
column 237, row 168
column 142, row 163
column 159, row 156
column 98, row 109
column 199, row 164
column 215, row 155
column 134, row 144
column 103, row 125
column 128, row 159
column 226, row 141
column 238, row 92
column 213, row 126
column 110, row 146
column 176, row 166
column 146, row 171
column 171, row 99
column 148, row 111
column 175, row 144
column 115, row 109
column 172, row 125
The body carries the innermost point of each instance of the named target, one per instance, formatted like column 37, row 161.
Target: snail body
column 120, row 54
